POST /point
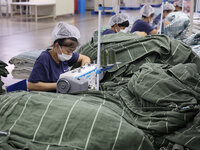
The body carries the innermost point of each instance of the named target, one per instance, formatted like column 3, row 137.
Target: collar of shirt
column 54, row 56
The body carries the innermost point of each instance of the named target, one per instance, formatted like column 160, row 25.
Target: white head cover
column 147, row 10
column 117, row 19
column 180, row 3
column 168, row 6
column 64, row 30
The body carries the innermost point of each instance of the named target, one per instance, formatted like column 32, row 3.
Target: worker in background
column 179, row 5
column 167, row 9
column 117, row 23
column 143, row 25
column 53, row 62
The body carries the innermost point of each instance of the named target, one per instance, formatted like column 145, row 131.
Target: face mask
column 63, row 57
column 124, row 31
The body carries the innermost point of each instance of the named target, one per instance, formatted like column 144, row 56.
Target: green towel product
column 103, row 58
column 111, row 58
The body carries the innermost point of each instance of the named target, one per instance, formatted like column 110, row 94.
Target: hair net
column 117, row 19
column 147, row 10
column 64, row 30
column 180, row 3
column 168, row 6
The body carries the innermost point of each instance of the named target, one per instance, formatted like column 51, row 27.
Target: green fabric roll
column 111, row 58
column 103, row 58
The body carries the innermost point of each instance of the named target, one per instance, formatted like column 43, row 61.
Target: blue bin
column 21, row 85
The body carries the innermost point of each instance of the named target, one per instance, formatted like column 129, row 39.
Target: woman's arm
column 141, row 33
column 155, row 31
column 84, row 60
column 41, row 86
column 166, row 23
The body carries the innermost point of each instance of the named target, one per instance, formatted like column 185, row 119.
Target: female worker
column 117, row 23
column 143, row 25
column 53, row 62
column 179, row 5
column 167, row 9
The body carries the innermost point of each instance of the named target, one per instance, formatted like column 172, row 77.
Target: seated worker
column 143, row 25
column 117, row 23
column 53, row 62
column 167, row 9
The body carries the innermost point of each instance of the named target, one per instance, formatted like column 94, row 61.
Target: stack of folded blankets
column 196, row 22
column 24, row 63
column 4, row 73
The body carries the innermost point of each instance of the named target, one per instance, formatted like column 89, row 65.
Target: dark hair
column 123, row 24
column 168, row 11
column 178, row 7
column 62, row 41
column 149, row 16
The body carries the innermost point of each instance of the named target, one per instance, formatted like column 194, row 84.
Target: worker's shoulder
column 107, row 31
column 140, row 21
column 44, row 56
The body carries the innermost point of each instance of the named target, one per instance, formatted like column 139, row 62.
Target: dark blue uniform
column 108, row 31
column 156, row 20
column 141, row 26
column 47, row 70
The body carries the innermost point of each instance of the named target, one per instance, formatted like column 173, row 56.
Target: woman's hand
column 84, row 60
column 166, row 23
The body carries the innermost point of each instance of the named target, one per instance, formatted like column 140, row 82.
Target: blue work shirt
column 108, row 31
column 141, row 26
column 47, row 70
column 156, row 20
column 156, row 23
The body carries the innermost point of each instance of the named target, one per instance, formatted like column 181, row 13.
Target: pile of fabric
column 194, row 42
column 196, row 22
column 24, row 63
column 196, row 25
column 178, row 25
column 40, row 121
column 194, row 39
column 3, row 73
column 162, row 75
column 149, row 102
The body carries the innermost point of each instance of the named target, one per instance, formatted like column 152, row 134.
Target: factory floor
column 19, row 34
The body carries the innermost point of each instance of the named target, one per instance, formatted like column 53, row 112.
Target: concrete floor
column 19, row 35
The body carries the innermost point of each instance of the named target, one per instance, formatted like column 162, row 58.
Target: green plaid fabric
column 133, row 51
column 47, row 121
column 189, row 136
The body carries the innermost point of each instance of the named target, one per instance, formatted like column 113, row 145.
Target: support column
column 191, row 16
column 81, row 6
